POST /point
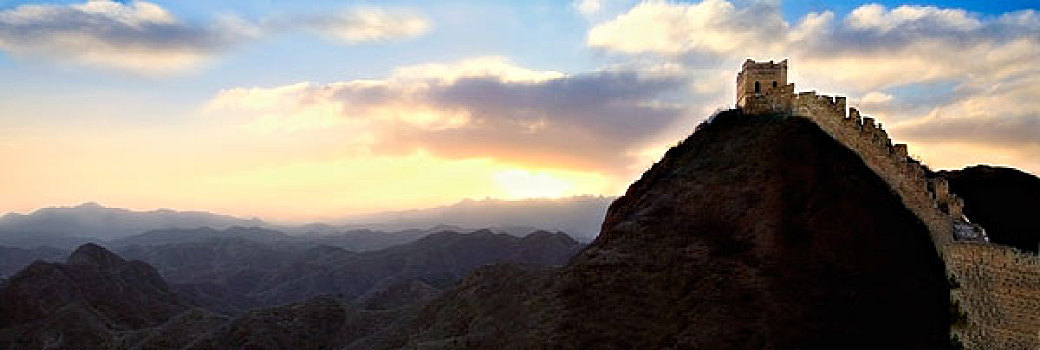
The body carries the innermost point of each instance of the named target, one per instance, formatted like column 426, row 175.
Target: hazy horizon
column 301, row 112
column 343, row 219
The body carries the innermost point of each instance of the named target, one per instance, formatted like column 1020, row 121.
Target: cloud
column 478, row 108
column 911, row 19
column 872, row 48
column 708, row 26
column 143, row 37
column 139, row 36
column 361, row 25
column 1009, row 131
column 936, row 73
column 587, row 7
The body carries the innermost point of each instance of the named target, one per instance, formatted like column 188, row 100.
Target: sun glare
column 518, row 184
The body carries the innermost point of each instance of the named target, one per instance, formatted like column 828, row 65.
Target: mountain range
column 205, row 294
column 69, row 227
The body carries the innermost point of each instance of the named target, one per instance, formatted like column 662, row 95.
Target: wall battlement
column 998, row 286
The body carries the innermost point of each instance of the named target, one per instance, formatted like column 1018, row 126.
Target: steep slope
column 83, row 302
column 756, row 232
column 1002, row 200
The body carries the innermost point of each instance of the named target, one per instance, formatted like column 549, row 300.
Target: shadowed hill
column 330, row 298
column 82, row 303
column 755, row 232
column 231, row 275
column 1002, row 200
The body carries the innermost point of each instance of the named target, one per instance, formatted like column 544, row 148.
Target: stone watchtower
column 762, row 87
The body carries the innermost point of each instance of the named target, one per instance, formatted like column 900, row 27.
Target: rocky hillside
column 1002, row 200
column 753, row 233
column 231, row 275
column 328, row 297
column 82, row 303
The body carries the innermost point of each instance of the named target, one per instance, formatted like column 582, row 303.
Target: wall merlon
column 900, row 151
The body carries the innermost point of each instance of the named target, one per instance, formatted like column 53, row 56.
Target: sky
column 298, row 111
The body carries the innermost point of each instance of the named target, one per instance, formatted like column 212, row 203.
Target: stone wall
column 779, row 99
column 871, row 142
column 998, row 288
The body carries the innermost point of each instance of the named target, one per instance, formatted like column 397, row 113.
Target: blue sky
column 303, row 110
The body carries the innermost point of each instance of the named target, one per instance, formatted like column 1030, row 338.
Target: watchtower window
column 758, row 87
column 774, row 84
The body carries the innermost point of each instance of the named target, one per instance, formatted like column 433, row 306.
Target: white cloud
column 708, row 26
column 887, row 59
column 587, row 7
column 876, row 17
column 144, row 38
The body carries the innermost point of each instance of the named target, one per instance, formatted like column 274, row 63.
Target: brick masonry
column 996, row 288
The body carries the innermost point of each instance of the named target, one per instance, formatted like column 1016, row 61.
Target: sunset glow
column 297, row 112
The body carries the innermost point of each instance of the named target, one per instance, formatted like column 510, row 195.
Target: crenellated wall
column 996, row 288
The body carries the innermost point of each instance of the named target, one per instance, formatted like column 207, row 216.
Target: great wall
column 995, row 290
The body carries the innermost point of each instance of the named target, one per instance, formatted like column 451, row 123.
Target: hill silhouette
column 1002, row 200
column 755, row 232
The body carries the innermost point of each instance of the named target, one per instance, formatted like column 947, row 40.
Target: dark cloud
column 587, row 120
column 140, row 36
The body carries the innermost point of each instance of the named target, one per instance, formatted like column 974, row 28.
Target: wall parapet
column 998, row 287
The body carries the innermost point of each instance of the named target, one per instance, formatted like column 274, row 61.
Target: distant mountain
column 270, row 273
column 69, row 227
column 359, row 240
column 1002, row 200
column 579, row 216
column 329, row 298
column 438, row 260
column 14, row 259
column 94, row 220
column 182, row 235
column 33, row 240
